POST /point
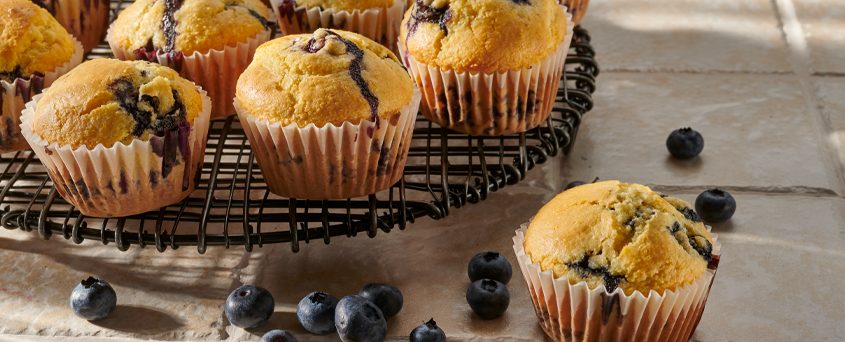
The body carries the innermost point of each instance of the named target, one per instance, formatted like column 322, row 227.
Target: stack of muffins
column 329, row 113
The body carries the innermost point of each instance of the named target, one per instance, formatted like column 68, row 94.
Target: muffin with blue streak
column 625, row 249
column 34, row 50
column 486, row 67
column 328, row 114
column 120, row 138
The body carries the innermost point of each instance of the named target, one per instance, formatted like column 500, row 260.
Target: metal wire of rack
column 232, row 205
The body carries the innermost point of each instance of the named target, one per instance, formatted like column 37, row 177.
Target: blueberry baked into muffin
column 120, row 138
column 620, row 245
column 376, row 19
column 34, row 50
column 86, row 20
column 209, row 42
column 329, row 114
column 478, row 74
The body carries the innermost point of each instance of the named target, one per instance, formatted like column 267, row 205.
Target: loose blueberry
column 685, row 143
column 316, row 313
column 715, row 205
column 249, row 306
column 488, row 298
column 574, row 184
column 388, row 298
column 93, row 299
column 490, row 265
column 428, row 332
column 278, row 336
column 358, row 319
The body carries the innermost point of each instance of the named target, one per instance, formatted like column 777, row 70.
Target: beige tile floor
column 764, row 81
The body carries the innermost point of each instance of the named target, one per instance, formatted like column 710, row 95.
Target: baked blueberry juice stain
column 690, row 214
column 168, row 25
column 611, row 282
column 423, row 13
column 170, row 130
column 264, row 22
column 287, row 8
column 355, row 68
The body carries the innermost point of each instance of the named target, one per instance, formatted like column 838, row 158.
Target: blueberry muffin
column 34, row 50
column 329, row 115
column 478, row 74
column 620, row 235
column 618, row 241
column 86, row 20
column 376, row 19
column 208, row 41
column 120, row 138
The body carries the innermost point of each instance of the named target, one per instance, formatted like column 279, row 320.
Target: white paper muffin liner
column 86, row 20
column 332, row 162
column 574, row 312
column 490, row 104
column 14, row 95
column 216, row 71
column 121, row 180
column 578, row 8
column 379, row 24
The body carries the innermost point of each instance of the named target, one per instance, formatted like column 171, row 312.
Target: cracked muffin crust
column 480, row 35
column 106, row 101
column 330, row 76
column 620, row 235
column 32, row 42
column 185, row 26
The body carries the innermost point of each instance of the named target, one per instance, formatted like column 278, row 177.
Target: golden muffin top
column 31, row 40
column 483, row 35
column 105, row 101
column 342, row 5
column 188, row 25
column 330, row 76
column 620, row 235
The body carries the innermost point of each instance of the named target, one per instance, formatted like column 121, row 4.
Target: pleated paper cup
column 379, row 24
column 216, row 71
column 490, row 104
column 87, row 20
column 332, row 162
column 14, row 95
column 578, row 8
column 574, row 312
column 124, row 180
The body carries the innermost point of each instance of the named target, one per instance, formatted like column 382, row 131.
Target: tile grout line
column 698, row 72
column 802, row 191
column 799, row 58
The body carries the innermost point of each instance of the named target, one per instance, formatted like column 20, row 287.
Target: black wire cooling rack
column 232, row 205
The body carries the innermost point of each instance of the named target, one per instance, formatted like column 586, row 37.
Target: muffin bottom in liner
column 124, row 180
column 216, row 71
column 332, row 162
column 14, row 95
column 574, row 312
column 490, row 104
column 86, row 20
column 379, row 24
